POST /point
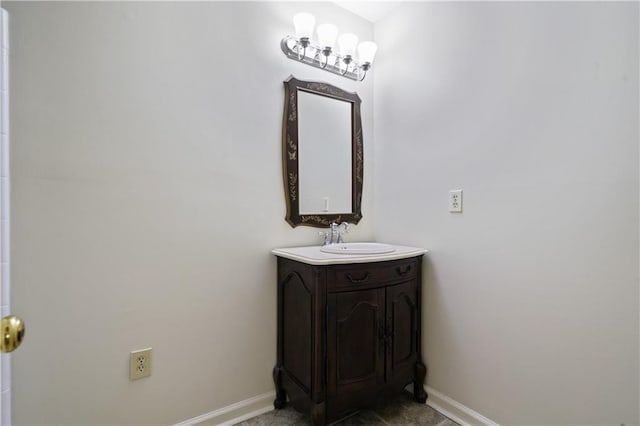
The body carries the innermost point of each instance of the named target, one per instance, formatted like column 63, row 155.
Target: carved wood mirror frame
column 290, row 153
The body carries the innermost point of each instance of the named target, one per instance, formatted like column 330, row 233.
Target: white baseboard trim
column 457, row 412
column 235, row 413
column 251, row 407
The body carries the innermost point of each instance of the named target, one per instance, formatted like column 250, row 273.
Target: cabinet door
column 402, row 331
column 355, row 336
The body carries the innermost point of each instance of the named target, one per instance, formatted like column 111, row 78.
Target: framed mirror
column 322, row 154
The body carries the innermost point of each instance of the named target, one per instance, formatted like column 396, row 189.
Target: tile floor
column 402, row 410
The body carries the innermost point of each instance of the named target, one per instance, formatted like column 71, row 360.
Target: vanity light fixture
column 323, row 54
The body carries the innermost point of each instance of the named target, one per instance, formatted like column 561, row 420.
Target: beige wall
column 147, row 194
column 531, row 295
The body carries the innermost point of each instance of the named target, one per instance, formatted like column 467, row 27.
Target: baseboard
column 248, row 408
column 457, row 412
column 234, row 413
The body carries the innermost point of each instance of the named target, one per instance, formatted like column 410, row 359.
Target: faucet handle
column 345, row 225
column 325, row 237
column 333, row 233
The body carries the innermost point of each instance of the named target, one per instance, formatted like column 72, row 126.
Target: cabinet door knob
column 381, row 330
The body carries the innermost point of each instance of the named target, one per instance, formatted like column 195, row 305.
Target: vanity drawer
column 345, row 277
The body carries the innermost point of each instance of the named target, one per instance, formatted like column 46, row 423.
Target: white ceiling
column 372, row 11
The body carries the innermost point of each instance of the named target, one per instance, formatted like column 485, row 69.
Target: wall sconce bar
column 313, row 56
column 323, row 56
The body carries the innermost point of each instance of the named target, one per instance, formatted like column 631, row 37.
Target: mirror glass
column 322, row 154
column 324, row 163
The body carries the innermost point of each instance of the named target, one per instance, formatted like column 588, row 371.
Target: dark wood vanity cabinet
column 348, row 335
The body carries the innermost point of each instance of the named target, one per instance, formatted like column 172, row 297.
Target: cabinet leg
column 418, row 384
column 318, row 414
column 281, row 396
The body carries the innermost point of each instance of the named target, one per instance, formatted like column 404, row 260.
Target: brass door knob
column 12, row 328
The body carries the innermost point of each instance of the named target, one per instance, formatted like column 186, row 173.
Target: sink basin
column 358, row 248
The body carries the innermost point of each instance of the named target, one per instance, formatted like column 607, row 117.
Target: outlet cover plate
column 139, row 364
column 455, row 201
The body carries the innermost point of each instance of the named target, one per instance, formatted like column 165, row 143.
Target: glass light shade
column 304, row 23
column 327, row 34
column 366, row 52
column 348, row 44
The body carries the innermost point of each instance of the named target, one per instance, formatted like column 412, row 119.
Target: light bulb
column 327, row 34
column 366, row 52
column 348, row 44
column 304, row 23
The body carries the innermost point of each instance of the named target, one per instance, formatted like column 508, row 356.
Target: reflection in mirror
column 322, row 154
column 324, row 149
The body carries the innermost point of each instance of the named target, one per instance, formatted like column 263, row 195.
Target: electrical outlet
column 455, row 201
column 139, row 364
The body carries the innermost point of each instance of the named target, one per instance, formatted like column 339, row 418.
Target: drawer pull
column 404, row 271
column 358, row 280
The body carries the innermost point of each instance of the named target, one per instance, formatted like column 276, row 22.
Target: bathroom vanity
column 348, row 329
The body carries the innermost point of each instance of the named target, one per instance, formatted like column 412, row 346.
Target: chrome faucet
column 334, row 235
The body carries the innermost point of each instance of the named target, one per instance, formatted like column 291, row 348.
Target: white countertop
column 313, row 256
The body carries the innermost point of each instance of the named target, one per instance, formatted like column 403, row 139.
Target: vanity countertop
column 313, row 256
